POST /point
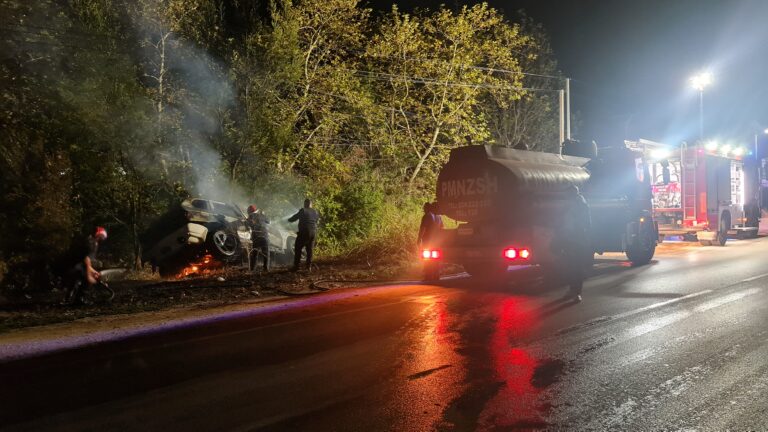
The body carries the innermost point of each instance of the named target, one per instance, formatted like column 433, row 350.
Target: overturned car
column 199, row 227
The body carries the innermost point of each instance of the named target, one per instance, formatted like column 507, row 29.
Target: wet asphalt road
column 681, row 343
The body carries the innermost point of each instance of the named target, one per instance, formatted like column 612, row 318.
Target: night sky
column 631, row 62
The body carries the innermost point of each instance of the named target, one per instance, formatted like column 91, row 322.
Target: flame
column 201, row 267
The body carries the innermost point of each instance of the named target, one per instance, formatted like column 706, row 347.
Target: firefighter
column 258, row 222
column 576, row 253
column 431, row 223
column 429, row 235
column 308, row 218
column 81, row 258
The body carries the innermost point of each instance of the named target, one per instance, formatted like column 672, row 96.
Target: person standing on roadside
column 82, row 258
column 258, row 222
column 308, row 218
column 430, row 224
column 576, row 251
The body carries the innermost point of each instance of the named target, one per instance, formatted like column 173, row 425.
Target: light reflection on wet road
column 681, row 343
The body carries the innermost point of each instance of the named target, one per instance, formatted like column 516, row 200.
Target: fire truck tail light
column 510, row 253
column 431, row 254
column 525, row 253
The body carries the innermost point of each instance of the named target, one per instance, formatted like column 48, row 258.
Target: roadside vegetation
column 112, row 111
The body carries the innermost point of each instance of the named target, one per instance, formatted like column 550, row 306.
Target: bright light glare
column 711, row 145
column 510, row 253
column 660, row 153
column 525, row 253
column 765, row 131
column 425, row 254
column 701, row 81
column 725, row 149
column 738, row 151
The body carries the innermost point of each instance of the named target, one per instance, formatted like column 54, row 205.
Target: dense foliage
column 111, row 111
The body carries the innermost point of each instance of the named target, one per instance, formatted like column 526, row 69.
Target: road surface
column 680, row 343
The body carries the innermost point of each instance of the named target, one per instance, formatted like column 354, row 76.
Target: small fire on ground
column 201, row 267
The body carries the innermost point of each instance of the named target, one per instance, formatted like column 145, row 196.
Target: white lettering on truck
column 470, row 186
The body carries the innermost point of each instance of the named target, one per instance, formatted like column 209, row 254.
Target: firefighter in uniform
column 81, row 259
column 429, row 236
column 308, row 218
column 430, row 224
column 258, row 221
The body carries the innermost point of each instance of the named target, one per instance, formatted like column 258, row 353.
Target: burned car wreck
column 199, row 228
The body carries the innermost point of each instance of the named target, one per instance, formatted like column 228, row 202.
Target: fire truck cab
column 698, row 191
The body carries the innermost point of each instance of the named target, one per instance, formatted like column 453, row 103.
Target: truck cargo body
column 514, row 199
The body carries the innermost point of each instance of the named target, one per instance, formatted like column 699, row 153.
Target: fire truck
column 698, row 190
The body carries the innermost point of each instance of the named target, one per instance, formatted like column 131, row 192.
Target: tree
column 530, row 122
column 435, row 99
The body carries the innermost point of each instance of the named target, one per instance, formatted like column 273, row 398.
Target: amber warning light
column 431, row 254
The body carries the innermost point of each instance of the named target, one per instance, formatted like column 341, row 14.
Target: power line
column 381, row 76
column 464, row 65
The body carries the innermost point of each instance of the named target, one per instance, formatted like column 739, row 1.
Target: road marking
column 724, row 300
column 755, row 277
column 604, row 319
column 659, row 304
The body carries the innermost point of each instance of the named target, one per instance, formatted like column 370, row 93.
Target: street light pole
column 701, row 114
column 700, row 82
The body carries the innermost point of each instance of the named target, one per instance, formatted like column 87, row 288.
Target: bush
column 349, row 215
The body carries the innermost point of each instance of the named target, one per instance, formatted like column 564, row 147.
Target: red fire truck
column 698, row 190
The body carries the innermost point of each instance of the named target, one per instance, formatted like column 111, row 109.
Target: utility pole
column 568, row 108
column 562, row 117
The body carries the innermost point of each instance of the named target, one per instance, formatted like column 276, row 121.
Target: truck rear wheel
column 722, row 233
column 643, row 250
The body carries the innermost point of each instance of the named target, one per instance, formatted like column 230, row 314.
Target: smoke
column 158, row 98
column 195, row 99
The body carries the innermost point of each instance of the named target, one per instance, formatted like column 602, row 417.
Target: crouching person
column 81, row 258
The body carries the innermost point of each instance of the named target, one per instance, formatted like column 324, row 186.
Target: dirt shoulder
column 227, row 287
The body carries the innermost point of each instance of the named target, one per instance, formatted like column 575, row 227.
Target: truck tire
column 722, row 234
column 641, row 252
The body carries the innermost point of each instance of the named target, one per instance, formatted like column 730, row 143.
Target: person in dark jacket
column 257, row 222
column 81, row 259
column 576, row 250
column 308, row 218
column 430, row 225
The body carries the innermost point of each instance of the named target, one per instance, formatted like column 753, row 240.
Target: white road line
column 660, row 304
column 724, row 300
column 755, row 277
column 611, row 318
column 685, row 297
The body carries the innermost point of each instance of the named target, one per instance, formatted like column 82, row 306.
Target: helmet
column 251, row 209
column 100, row 233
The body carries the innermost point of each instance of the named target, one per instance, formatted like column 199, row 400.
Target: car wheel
column 224, row 245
